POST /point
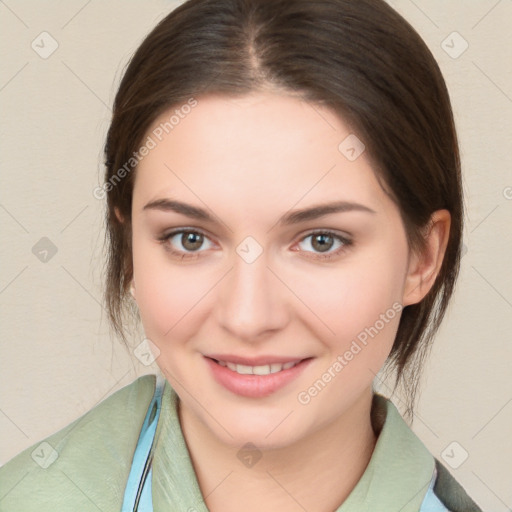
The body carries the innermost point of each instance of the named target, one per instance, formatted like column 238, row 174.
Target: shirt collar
column 396, row 478
column 400, row 469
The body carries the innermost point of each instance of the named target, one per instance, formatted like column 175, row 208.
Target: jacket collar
column 395, row 480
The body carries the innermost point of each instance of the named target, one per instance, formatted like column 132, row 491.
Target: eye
column 191, row 240
column 324, row 241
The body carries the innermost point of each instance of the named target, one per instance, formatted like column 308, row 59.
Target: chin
column 266, row 431
column 258, row 439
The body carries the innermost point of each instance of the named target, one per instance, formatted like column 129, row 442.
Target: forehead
column 259, row 149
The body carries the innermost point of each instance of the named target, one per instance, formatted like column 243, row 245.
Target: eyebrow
column 290, row 218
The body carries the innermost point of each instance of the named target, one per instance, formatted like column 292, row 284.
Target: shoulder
column 401, row 462
column 83, row 466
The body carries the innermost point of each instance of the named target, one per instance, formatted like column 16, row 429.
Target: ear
column 424, row 267
column 120, row 218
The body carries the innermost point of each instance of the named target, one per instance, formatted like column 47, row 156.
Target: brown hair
column 360, row 58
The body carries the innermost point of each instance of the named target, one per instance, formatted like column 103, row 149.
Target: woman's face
column 249, row 286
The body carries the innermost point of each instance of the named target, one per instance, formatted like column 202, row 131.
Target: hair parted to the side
column 360, row 58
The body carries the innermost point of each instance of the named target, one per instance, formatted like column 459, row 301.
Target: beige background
column 57, row 360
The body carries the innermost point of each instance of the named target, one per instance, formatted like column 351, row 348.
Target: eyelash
column 164, row 240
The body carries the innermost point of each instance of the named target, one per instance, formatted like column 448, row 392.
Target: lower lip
column 254, row 386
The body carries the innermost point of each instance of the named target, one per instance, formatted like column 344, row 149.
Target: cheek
column 356, row 309
column 353, row 295
column 169, row 297
column 362, row 309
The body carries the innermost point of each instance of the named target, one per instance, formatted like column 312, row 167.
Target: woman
column 284, row 210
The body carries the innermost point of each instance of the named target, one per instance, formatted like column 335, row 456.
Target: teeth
column 258, row 370
column 261, row 370
column 244, row 370
column 275, row 367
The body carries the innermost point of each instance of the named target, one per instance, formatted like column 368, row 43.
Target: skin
column 248, row 161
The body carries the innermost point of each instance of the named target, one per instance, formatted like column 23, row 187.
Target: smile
column 265, row 369
column 256, row 380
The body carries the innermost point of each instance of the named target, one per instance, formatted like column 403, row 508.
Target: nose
column 252, row 304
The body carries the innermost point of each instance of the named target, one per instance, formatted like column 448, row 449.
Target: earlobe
column 118, row 215
column 132, row 289
column 425, row 266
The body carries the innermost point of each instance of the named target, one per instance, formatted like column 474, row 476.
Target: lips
column 256, row 377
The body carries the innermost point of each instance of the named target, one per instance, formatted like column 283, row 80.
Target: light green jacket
column 85, row 465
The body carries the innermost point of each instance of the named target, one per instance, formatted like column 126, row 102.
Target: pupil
column 323, row 246
column 189, row 239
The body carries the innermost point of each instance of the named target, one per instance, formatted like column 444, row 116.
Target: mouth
column 265, row 369
column 256, row 380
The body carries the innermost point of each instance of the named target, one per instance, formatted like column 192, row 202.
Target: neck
column 316, row 473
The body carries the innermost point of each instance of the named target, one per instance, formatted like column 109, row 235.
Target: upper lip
column 255, row 361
